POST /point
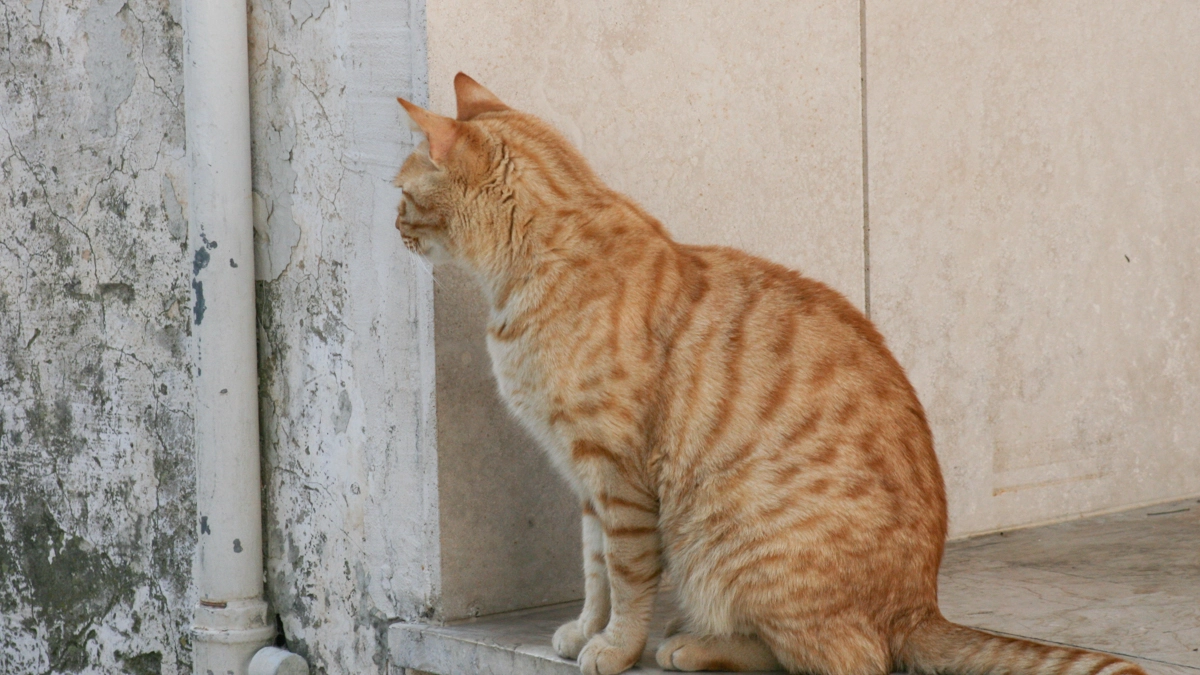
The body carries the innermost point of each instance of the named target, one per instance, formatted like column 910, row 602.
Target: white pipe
column 232, row 621
column 275, row 661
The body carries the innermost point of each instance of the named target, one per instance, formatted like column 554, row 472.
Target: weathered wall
column 1035, row 241
column 96, row 474
column 734, row 125
column 96, row 481
column 346, row 331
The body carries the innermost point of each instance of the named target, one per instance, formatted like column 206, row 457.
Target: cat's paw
column 569, row 639
column 604, row 656
column 675, row 642
column 685, row 651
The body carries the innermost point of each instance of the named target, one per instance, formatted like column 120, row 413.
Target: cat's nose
column 400, row 212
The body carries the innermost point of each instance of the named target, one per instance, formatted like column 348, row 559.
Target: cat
column 725, row 422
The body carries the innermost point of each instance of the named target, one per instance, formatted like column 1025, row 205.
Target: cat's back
column 767, row 357
column 779, row 335
column 791, row 429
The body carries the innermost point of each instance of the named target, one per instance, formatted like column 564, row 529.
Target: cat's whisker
column 424, row 263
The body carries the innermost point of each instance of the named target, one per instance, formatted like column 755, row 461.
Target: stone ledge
column 506, row 644
column 495, row 646
column 1126, row 583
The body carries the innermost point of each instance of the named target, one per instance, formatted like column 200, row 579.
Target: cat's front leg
column 570, row 638
column 631, row 554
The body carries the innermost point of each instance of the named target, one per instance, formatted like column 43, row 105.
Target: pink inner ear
column 442, row 132
column 441, row 140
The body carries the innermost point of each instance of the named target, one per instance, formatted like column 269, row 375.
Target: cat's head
column 474, row 188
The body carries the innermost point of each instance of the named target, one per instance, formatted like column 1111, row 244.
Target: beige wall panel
column 1034, row 179
column 733, row 124
column 509, row 525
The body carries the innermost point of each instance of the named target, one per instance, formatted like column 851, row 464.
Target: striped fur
column 725, row 422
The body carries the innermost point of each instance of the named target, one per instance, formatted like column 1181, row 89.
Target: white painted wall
column 346, row 331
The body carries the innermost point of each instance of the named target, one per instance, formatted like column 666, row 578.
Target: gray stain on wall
column 198, row 307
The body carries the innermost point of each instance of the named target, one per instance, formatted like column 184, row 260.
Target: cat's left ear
column 442, row 132
column 473, row 99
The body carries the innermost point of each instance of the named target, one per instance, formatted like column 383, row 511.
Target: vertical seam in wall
column 866, row 204
column 419, row 53
column 431, row 604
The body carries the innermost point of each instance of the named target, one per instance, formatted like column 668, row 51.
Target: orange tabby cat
column 724, row 421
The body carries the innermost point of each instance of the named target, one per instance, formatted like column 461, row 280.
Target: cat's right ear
column 442, row 132
column 474, row 99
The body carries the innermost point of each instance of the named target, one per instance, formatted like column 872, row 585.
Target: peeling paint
column 106, row 24
column 276, row 232
column 198, row 307
column 200, row 260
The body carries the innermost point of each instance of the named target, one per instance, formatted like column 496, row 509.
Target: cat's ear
column 473, row 99
column 442, row 132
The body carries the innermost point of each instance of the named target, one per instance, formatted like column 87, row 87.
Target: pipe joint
column 234, row 616
column 225, row 639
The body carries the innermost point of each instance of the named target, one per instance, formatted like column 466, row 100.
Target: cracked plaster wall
column 345, row 335
column 96, row 471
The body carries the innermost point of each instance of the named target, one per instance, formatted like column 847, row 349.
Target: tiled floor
column 1126, row 583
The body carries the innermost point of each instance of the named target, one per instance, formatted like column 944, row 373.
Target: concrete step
column 1125, row 583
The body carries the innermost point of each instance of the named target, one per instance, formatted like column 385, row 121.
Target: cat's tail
column 938, row 646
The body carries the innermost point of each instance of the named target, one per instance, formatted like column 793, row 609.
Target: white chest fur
column 525, row 387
